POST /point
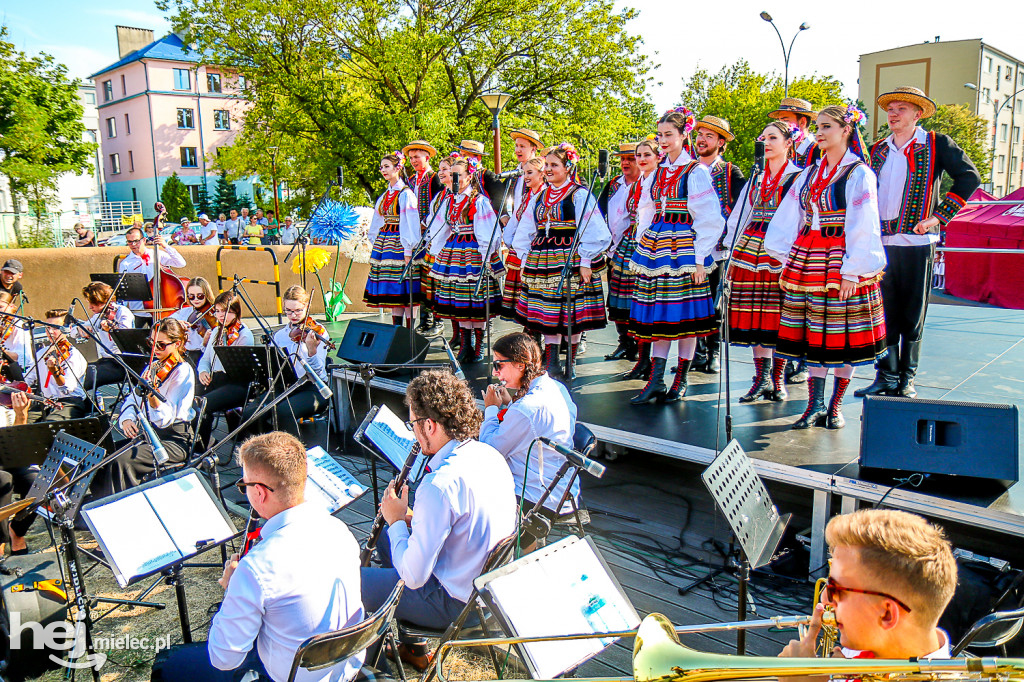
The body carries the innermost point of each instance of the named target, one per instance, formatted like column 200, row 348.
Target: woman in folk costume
column 533, row 183
column 679, row 221
column 622, row 222
column 394, row 233
column 462, row 255
column 755, row 302
column 543, row 240
column 827, row 233
column 425, row 183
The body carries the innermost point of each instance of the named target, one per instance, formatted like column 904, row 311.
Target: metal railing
column 276, row 282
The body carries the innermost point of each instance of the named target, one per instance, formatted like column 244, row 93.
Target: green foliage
column 205, row 203
column 744, row 97
column 176, row 199
column 224, row 198
column 41, row 126
column 342, row 82
column 969, row 131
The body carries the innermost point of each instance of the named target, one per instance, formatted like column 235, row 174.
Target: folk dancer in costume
column 535, row 180
column 465, row 506
column 221, row 393
column 622, row 224
column 300, row 580
column 826, row 233
column 527, row 144
column 142, row 259
column 197, row 316
column 15, row 341
column 909, row 164
column 541, row 407
column 755, row 303
column 679, row 221
column 171, row 419
column 394, row 232
column 543, row 240
column 493, row 186
column 426, row 185
column 711, row 135
column 107, row 315
column 460, row 244
column 58, row 370
column 891, row 576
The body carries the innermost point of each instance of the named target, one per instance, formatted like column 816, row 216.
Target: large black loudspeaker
column 375, row 343
column 940, row 437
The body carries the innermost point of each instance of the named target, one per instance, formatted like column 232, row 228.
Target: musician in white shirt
column 60, row 372
column 142, row 259
column 220, row 391
column 107, row 315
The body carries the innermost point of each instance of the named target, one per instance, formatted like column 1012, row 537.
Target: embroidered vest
column 920, row 186
column 762, row 212
column 422, row 190
column 459, row 214
column 389, row 210
column 806, row 158
column 670, row 197
column 561, row 216
column 721, row 180
column 831, row 204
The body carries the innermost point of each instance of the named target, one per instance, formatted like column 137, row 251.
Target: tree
column 969, row 131
column 340, row 83
column 205, row 204
column 176, row 199
column 224, row 198
column 41, row 129
column 744, row 97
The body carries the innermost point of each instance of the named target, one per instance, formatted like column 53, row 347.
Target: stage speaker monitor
column 940, row 437
column 375, row 343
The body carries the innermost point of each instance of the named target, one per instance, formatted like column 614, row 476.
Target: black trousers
column 905, row 287
column 23, row 477
column 73, row 408
column 305, row 402
column 135, row 463
column 222, row 394
column 107, row 372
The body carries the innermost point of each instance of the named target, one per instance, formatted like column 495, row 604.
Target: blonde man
column 891, row 577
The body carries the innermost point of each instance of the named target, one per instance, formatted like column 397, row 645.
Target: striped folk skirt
column 621, row 280
column 513, row 285
column 456, row 271
column 814, row 323
column 385, row 287
column 540, row 308
column 755, row 304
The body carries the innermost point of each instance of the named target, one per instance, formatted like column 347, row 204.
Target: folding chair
column 997, row 629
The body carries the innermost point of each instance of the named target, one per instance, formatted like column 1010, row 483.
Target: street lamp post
column 785, row 53
column 495, row 101
column 273, row 179
column 997, row 106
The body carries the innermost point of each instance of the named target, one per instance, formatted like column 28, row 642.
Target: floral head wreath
column 398, row 155
column 572, row 157
column 795, row 134
column 691, row 119
column 854, row 116
column 472, row 164
column 654, row 137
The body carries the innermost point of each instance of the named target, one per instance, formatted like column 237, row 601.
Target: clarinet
column 378, row 523
column 251, row 532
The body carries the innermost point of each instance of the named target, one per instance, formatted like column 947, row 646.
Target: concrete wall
column 54, row 276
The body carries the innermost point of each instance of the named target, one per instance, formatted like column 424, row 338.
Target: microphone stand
column 485, row 267
column 303, row 236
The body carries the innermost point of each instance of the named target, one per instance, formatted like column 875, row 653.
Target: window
column 999, row 75
column 1016, row 134
column 182, row 79
column 1002, row 132
column 241, row 82
column 90, row 98
column 221, row 119
column 988, row 64
column 213, row 82
column 111, row 127
column 135, row 194
column 115, row 164
column 1013, row 165
column 108, row 91
column 188, row 157
column 127, row 125
column 131, row 162
column 193, row 192
column 91, row 134
column 1002, row 163
column 124, row 91
column 185, row 119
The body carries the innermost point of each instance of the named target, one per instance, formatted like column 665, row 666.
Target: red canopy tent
column 996, row 278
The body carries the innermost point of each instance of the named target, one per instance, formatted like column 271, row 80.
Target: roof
column 169, row 48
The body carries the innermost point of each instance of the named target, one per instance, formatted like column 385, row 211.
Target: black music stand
column 392, row 458
column 244, row 364
column 132, row 341
column 28, row 444
column 133, row 285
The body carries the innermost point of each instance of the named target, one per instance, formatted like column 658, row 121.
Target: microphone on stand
column 159, row 451
column 758, row 156
column 602, row 162
column 509, row 174
column 455, row 182
column 590, row 466
column 341, row 176
column 456, row 367
column 322, row 388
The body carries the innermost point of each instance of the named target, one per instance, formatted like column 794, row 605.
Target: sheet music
column 389, row 434
column 188, row 513
column 328, row 483
column 126, row 527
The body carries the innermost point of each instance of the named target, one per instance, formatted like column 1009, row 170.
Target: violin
column 204, row 320
column 9, row 388
column 161, row 369
column 108, row 319
column 311, row 326
column 61, row 350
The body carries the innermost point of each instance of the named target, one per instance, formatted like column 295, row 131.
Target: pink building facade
column 161, row 112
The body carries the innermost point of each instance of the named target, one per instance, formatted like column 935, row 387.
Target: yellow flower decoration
column 315, row 259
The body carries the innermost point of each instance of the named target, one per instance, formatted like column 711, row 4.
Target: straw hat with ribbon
column 422, row 145
column 530, row 136
column 908, row 93
column 472, row 147
column 793, row 105
column 626, row 149
column 718, row 125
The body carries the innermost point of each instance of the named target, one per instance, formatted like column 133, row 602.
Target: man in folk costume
column 630, row 171
column 527, row 145
column 909, row 164
column 494, row 187
column 799, row 112
column 711, row 135
column 426, row 185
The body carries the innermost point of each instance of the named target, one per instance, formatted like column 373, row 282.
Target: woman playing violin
column 222, row 393
column 197, row 315
column 175, row 380
column 108, row 315
column 59, row 372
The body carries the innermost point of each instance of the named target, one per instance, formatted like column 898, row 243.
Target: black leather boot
column 570, row 368
column 551, row 364
column 909, row 356
column 465, row 346
column 700, row 356
column 643, row 364
column 456, row 339
column 655, row 385
column 887, row 375
column 621, row 351
column 762, row 386
column 679, row 385
column 713, row 366
column 815, row 413
column 426, row 320
column 477, row 352
column 835, row 418
column 796, row 371
column 779, row 380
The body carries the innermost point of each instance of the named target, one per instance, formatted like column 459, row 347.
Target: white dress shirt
column 195, row 338
column 123, row 318
column 941, row 653
column 19, row 342
column 594, row 238
column 408, row 218
column 701, row 203
column 74, row 374
column 545, row 410
column 749, row 195
column 483, row 226
column 318, row 363
column 464, row 507
column 892, row 181
column 618, row 212
column 179, row 388
column 209, row 362
column 301, row 579
column 169, row 258
column 862, row 230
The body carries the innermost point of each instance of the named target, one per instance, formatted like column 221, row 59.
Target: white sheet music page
column 328, row 483
column 393, row 439
column 189, row 513
column 133, row 537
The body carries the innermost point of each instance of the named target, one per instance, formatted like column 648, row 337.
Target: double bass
column 172, row 289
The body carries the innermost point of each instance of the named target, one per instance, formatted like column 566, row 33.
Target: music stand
column 755, row 521
column 67, row 457
column 132, row 341
column 390, row 439
column 133, row 285
column 28, row 444
column 244, row 364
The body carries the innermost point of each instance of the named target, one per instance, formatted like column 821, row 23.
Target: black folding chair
column 994, row 630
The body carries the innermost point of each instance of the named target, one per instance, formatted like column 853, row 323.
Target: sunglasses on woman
column 160, row 345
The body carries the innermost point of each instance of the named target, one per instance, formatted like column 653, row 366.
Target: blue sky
column 83, row 36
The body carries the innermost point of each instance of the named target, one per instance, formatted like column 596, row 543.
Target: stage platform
column 972, row 354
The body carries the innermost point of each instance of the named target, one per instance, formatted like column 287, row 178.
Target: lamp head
column 804, row 26
column 495, row 101
column 970, row 86
column 766, row 16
